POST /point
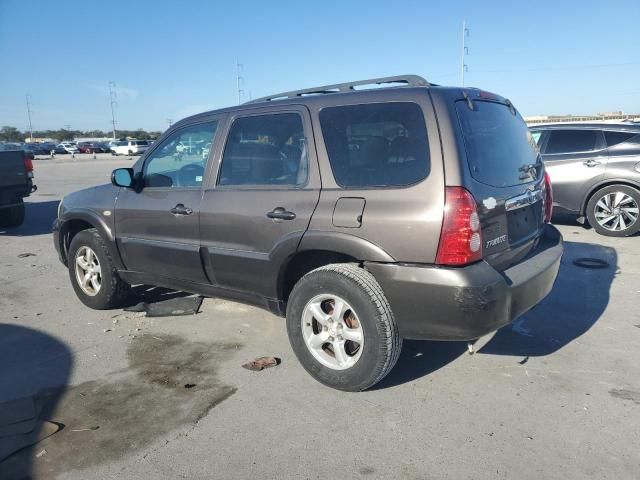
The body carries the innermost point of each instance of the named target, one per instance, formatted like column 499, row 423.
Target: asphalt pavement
column 556, row 395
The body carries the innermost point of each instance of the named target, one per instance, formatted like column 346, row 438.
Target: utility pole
column 465, row 52
column 240, row 81
column 114, row 103
column 170, row 120
column 28, row 97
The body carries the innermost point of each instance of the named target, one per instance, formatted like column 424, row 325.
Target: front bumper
column 439, row 303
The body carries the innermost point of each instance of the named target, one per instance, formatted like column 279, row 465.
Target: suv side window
column 173, row 167
column 376, row 144
column 265, row 150
column 571, row 141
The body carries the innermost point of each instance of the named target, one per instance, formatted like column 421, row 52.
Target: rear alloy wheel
column 341, row 327
column 332, row 332
column 615, row 211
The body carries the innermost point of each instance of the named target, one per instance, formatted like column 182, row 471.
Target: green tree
column 11, row 134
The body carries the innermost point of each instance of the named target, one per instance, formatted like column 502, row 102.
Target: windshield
column 498, row 143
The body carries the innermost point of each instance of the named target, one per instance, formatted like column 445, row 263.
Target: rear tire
column 12, row 216
column 614, row 211
column 104, row 288
column 368, row 340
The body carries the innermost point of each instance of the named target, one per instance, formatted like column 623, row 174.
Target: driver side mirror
column 123, row 177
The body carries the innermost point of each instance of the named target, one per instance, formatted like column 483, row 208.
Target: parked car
column 130, row 147
column 34, row 148
column 431, row 220
column 69, row 147
column 102, row 147
column 47, row 147
column 16, row 183
column 595, row 172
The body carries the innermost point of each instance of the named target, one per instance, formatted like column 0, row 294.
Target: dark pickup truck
column 16, row 183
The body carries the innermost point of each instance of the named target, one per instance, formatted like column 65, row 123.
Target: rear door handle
column 591, row 163
column 281, row 213
column 180, row 209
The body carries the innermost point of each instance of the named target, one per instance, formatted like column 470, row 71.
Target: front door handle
column 591, row 163
column 180, row 209
column 281, row 213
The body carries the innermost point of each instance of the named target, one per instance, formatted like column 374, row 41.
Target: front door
column 261, row 202
column 157, row 227
column 575, row 161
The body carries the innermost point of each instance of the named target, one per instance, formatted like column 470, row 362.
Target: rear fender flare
column 344, row 243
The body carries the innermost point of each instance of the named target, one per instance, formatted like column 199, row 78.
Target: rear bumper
column 439, row 303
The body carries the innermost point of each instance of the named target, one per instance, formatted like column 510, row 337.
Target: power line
column 28, row 98
column 114, row 103
column 562, row 67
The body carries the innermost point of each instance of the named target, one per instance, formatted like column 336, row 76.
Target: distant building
column 600, row 117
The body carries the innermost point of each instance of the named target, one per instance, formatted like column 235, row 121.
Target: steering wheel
column 187, row 175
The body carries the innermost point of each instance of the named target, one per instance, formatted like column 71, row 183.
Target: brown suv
column 364, row 215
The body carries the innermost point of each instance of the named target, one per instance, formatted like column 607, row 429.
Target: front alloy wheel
column 88, row 271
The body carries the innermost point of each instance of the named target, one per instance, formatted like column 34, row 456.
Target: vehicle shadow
column 34, row 373
column 151, row 294
column 38, row 220
column 578, row 299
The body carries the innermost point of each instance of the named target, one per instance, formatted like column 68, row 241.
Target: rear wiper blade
column 529, row 170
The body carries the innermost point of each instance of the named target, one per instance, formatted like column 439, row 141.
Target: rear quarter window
column 376, row 144
column 615, row 138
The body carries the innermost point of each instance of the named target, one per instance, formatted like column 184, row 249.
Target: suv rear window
column 376, row 144
column 498, row 143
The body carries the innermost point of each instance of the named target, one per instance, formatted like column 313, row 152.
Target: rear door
column 158, row 227
column 576, row 160
column 505, row 175
column 261, row 200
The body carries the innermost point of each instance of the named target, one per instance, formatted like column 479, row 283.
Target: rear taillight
column 28, row 163
column 461, row 236
column 547, row 197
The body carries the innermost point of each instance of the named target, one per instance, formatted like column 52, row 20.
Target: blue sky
column 172, row 59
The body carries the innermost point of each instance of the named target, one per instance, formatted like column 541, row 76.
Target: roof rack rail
column 407, row 80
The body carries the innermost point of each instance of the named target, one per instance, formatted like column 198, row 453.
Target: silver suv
column 595, row 172
column 364, row 216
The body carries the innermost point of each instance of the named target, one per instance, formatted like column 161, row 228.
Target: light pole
column 28, row 98
column 114, row 103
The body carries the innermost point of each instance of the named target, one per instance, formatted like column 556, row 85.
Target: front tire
column 614, row 211
column 341, row 327
column 92, row 272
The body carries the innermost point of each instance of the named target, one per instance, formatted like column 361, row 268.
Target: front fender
column 66, row 224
